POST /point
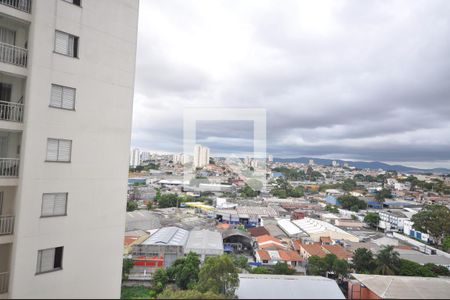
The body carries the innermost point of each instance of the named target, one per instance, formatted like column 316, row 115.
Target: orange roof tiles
column 289, row 255
column 258, row 231
column 338, row 250
column 296, row 244
column 263, row 254
column 325, row 239
column 314, row 249
column 128, row 240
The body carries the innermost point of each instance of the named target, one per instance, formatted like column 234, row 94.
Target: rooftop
column 172, row 236
column 264, row 286
column 204, row 239
column 406, row 287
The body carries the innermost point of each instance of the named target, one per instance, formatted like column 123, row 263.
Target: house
column 258, row 231
column 365, row 286
column 392, row 220
column 272, row 257
column 325, row 240
column 167, row 243
column 308, row 250
column 265, row 286
column 267, row 242
column 337, row 250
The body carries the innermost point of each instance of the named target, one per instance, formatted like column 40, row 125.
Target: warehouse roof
column 264, row 286
column 289, row 227
column 406, row 287
column 172, row 236
column 201, row 240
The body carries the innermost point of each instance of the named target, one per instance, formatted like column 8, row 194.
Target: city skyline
column 331, row 90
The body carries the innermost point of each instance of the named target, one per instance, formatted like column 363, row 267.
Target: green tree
column 260, row 270
column 132, row 205
column 349, row 185
column 158, row 194
column 185, row 271
column 316, row 266
column 446, row 243
column 438, row 270
column 282, row 268
column 372, row 219
column 168, row 200
column 387, row 261
column 188, row 294
column 248, row 192
column 383, row 194
column 127, row 265
column 410, row 268
column 434, row 220
column 351, row 202
column 160, row 279
column 341, row 268
column 363, row 261
column 218, row 275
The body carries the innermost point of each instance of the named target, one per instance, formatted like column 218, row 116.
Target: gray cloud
column 355, row 79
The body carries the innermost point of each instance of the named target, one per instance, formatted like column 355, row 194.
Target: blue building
column 332, row 200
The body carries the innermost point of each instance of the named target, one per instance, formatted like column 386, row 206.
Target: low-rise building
column 365, row 286
column 265, row 286
column 204, row 243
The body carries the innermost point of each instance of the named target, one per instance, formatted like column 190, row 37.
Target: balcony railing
column 11, row 111
column 23, row 5
column 9, row 167
column 4, row 282
column 11, row 54
column 6, row 225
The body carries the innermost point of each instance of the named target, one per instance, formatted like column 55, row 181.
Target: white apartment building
column 135, row 157
column 66, row 89
column 201, row 156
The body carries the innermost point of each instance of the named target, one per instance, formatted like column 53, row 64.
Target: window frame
column 76, row 49
column 57, row 160
column 54, row 216
column 62, row 95
column 39, row 260
column 71, row 2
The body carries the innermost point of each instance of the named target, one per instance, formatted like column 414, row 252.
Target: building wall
column 358, row 291
column 100, row 130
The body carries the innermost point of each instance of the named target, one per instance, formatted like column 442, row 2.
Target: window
column 62, row 97
column 75, row 2
column 54, row 204
column 59, row 150
column 66, row 44
column 49, row 260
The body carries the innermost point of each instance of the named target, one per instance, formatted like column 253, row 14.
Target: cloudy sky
column 362, row 80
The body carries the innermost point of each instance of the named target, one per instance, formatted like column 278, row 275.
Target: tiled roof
column 296, row 244
column 325, row 239
column 258, row 231
column 289, row 255
column 263, row 254
column 314, row 249
column 338, row 250
column 266, row 241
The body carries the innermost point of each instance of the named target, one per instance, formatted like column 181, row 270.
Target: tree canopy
column 218, row 275
column 434, row 220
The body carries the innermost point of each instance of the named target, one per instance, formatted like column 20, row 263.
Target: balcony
column 22, row 5
column 14, row 55
column 6, row 225
column 9, row 167
column 11, row 111
column 4, row 282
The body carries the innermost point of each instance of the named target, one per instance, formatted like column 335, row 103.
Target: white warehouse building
column 66, row 92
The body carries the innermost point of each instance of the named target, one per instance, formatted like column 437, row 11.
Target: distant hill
column 364, row 165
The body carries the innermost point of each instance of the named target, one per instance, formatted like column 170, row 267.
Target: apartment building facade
column 67, row 72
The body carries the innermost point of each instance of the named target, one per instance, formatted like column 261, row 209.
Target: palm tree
column 388, row 261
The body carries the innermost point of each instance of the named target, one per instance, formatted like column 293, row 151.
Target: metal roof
column 264, row 286
column 406, row 287
column 204, row 241
column 172, row 236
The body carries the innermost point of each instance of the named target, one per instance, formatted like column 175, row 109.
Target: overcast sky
column 363, row 80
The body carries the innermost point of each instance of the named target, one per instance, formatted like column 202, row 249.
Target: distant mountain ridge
column 363, row 165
